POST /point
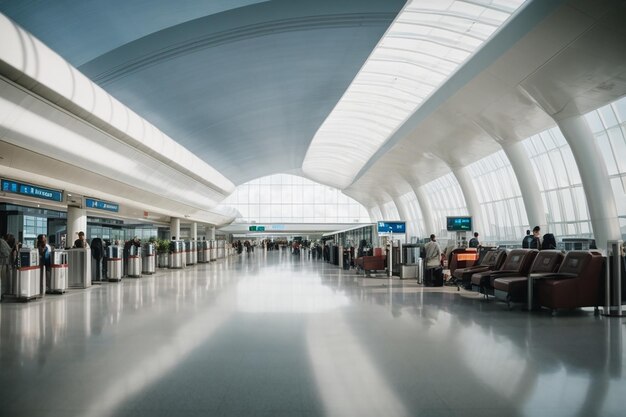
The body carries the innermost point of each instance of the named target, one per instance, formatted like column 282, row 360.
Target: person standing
column 81, row 242
column 536, row 238
column 44, row 263
column 433, row 253
column 5, row 262
column 527, row 240
column 474, row 243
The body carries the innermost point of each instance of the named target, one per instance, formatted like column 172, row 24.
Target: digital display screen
column 459, row 224
column 31, row 190
column 101, row 205
column 391, row 227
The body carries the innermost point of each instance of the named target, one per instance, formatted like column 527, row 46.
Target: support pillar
column 464, row 179
column 175, row 227
column 429, row 225
column 527, row 181
column 595, row 179
column 76, row 222
column 194, row 231
column 212, row 235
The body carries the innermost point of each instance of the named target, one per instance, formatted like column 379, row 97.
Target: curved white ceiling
column 244, row 89
column 427, row 42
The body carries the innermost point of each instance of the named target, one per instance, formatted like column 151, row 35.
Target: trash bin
column 27, row 284
column 134, row 261
column 58, row 272
column 148, row 265
column 191, row 252
column 176, row 254
column 79, row 268
column 212, row 250
column 203, row 251
column 114, row 262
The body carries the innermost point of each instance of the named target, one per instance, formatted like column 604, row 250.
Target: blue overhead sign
column 31, row 190
column 391, row 227
column 101, row 205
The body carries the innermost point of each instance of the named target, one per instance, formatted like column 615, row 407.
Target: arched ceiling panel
column 82, row 30
column 247, row 89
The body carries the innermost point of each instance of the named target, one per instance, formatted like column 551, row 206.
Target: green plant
column 162, row 245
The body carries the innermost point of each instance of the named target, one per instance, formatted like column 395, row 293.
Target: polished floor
column 270, row 334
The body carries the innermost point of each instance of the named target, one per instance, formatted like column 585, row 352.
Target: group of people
column 536, row 241
column 432, row 256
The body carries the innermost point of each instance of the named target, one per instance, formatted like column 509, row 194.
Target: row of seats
column 563, row 281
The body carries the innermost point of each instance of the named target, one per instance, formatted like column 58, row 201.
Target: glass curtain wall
column 284, row 198
column 502, row 208
column 608, row 124
column 560, row 184
column 446, row 199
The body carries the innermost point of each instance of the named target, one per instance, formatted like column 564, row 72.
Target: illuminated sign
column 31, row 190
column 391, row 227
column 101, row 205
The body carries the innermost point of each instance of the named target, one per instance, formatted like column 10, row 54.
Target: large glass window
column 560, row 184
column 502, row 208
column 284, row 198
column 33, row 227
column 446, row 199
column 608, row 124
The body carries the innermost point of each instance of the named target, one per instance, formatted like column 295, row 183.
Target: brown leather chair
column 514, row 288
column 491, row 261
column 462, row 258
column 576, row 284
column 370, row 263
column 518, row 263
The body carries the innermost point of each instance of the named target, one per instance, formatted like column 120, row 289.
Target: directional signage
column 31, row 190
column 101, row 205
column 260, row 228
column 251, row 228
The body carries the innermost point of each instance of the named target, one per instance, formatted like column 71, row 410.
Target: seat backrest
column 547, row 261
column 519, row 260
column 494, row 259
column 575, row 262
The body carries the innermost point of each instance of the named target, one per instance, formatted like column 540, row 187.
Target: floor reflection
column 271, row 333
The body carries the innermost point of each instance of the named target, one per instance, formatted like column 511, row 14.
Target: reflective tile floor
column 271, row 334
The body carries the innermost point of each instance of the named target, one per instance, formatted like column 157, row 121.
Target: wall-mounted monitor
column 459, row 224
column 391, row 227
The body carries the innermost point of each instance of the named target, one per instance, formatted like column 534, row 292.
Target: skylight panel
column 423, row 47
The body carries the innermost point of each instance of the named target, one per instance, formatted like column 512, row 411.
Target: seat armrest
column 552, row 275
column 505, row 274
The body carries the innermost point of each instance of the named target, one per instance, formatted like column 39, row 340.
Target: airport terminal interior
column 312, row 208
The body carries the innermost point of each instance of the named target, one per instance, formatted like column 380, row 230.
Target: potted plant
column 163, row 249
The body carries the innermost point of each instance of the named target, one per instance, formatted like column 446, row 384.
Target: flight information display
column 31, row 190
column 101, row 205
column 459, row 224
column 391, row 227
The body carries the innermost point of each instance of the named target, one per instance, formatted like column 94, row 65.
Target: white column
column 429, row 225
column 405, row 216
column 464, row 178
column 76, row 222
column 175, row 227
column 194, row 231
column 595, row 179
column 527, row 181
column 212, row 233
